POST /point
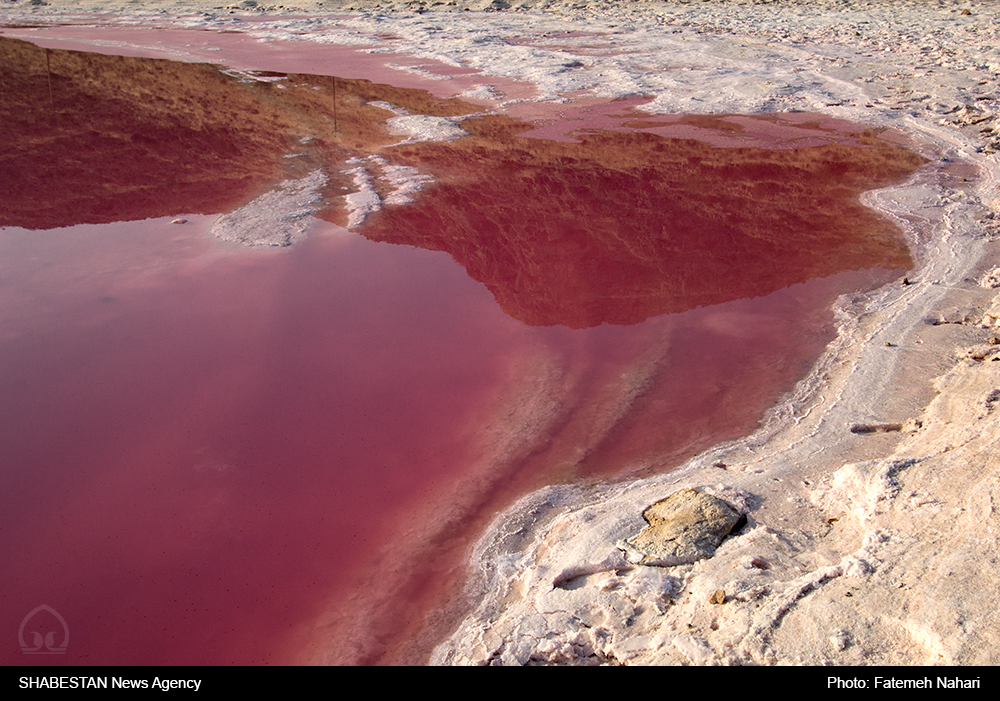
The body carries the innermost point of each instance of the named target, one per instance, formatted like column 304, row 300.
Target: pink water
column 201, row 452
column 191, row 462
column 211, row 455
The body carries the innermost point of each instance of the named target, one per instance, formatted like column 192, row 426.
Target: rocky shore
column 868, row 500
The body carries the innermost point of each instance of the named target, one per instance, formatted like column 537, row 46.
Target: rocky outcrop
column 685, row 527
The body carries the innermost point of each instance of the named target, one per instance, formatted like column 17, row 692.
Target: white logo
column 43, row 632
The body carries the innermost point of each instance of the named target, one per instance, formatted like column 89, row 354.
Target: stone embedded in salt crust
column 685, row 527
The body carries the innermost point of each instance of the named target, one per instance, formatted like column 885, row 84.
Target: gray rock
column 685, row 527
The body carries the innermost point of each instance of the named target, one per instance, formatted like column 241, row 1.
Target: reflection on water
column 618, row 227
column 91, row 138
column 204, row 450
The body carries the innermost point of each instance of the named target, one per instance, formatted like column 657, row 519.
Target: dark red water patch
column 621, row 227
column 95, row 138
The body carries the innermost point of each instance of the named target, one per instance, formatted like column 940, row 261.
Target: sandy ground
column 876, row 545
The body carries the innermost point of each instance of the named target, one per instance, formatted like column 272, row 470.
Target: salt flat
column 861, row 547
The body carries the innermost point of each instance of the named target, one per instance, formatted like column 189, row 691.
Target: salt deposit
column 363, row 202
column 276, row 218
column 420, row 127
column 252, row 76
column 403, row 182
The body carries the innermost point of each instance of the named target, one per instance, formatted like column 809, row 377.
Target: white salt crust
column 276, row 218
column 403, row 182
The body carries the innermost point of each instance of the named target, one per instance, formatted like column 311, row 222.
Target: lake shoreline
column 862, row 546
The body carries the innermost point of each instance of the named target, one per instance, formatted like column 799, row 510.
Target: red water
column 218, row 456
column 199, row 456
column 191, row 465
